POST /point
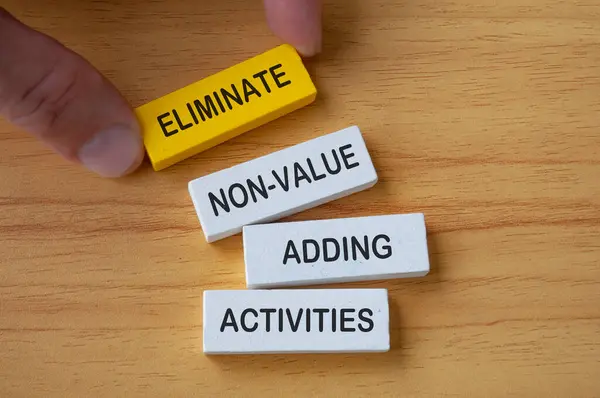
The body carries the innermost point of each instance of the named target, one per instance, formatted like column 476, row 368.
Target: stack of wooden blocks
column 274, row 315
column 269, row 318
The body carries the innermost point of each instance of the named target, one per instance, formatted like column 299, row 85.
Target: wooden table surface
column 482, row 114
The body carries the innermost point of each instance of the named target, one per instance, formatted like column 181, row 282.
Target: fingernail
column 113, row 152
column 310, row 45
column 309, row 50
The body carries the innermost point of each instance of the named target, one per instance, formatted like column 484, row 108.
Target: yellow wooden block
column 222, row 106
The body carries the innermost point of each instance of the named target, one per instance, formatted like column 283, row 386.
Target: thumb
column 57, row 96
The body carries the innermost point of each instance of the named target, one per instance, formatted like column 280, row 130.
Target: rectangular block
column 224, row 105
column 282, row 183
column 335, row 250
column 296, row 321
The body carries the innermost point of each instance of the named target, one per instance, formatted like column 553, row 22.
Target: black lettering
column 344, row 319
column 206, row 109
column 321, row 311
column 253, row 187
column 247, row 93
column 386, row 248
column 333, row 320
column 268, row 312
column 297, row 170
column 368, row 320
column 286, row 186
column 228, row 96
column 163, row 125
column 326, row 257
column 192, row 113
column 261, row 75
column 216, row 95
column 294, row 253
column 232, row 198
column 225, row 323
column 277, row 76
column 305, row 243
column 294, row 325
column 347, row 156
column 181, row 125
column 280, row 320
column 243, row 320
column 214, row 201
column 345, row 249
column 356, row 244
column 337, row 162
column 308, row 319
column 312, row 171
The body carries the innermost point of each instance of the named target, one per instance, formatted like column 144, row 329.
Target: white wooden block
column 335, row 250
column 282, row 183
column 295, row 321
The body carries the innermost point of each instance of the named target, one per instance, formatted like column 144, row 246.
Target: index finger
column 298, row 22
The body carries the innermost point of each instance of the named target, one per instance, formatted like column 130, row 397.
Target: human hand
column 61, row 99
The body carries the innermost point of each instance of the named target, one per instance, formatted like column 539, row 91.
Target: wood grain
column 484, row 115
